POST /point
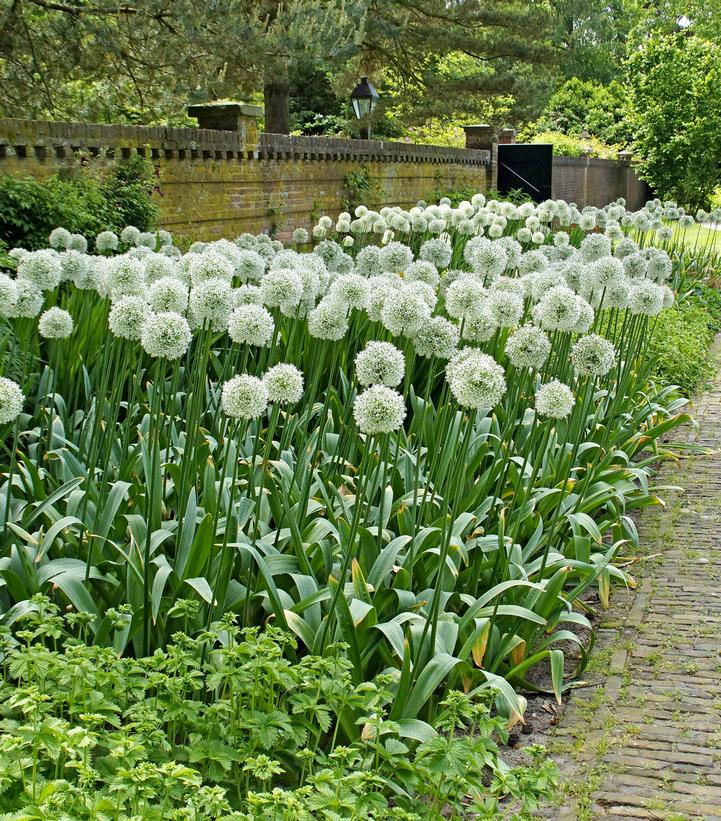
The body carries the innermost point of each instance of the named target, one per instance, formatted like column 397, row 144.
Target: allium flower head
column 210, row 265
column 532, row 261
column 593, row 355
column 251, row 324
column 595, row 246
column 129, row 235
column 244, row 397
column 528, row 347
column 157, row 266
column 55, row 323
column 247, row 295
column 555, row 400
column 75, row 266
column 165, row 335
column 558, row 310
column 11, row 400
column 127, row 316
column 211, row 301
column 437, row 338
column 625, row 247
column 351, row 290
column 423, row 271
column 60, row 238
column 8, row 296
column 328, row 320
column 509, row 285
column 28, row 299
column 379, row 409
column 436, row 251
column 616, row 293
column 124, row 276
column 505, row 307
column 539, row 283
column 635, row 266
column 249, row 266
column 488, row 259
column 475, row 379
column 284, row 384
column 300, row 236
column 659, row 265
column 465, row 297
column 380, row 363
column 645, row 297
column 168, row 294
column 42, row 268
column 405, row 310
column 480, row 327
column 369, row 262
column 281, row 286
column 396, row 257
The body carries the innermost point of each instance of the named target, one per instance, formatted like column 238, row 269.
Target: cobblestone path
column 643, row 740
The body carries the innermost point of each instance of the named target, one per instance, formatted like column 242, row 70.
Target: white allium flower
column 210, row 265
column 11, row 400
column 380, row 363
column 318, row 232
column 348, row 242
column 538, row 237
column 423, row 271
column 558, row 310
column 587, row 222
column 147, row 239
column 436, row 226
column 369, row 262
column 436, row 251
column 593, row 355
column 325, row 222
column 75, row 265
column 166, row 335
column 60, row 238
column 198, row 247
column 168, row 294
column 42, row 268
column 300, row 236
column 55, row 323
column 625, row 247
column 127, row 316
column 328, row 320
column 124, row 276
column 475, row 379
column 481, row 327
column 351, row 290
column 531, row 262
column 396, row 257
column 524, row 235
column 249, row 265
column 379, row 409
column 487, row 259
column 251, row 324
column 284, row 384
column 509, row 285
column 616, row 293
column 18, row 253
column 645, row 297
column 465, row 297
column 635, row 266
column 165, row 238
column 405, row 310
column 158, row 266
column 495, row 230
column 585, row 316
column 281, row 286
column 437, row 338
column 561, row 239
column 659, row 266
column 28, row 299
column 78, row 243
column 505, row 307
column 528, row 347
column 595, row 246
column 664, row 233
column 211, row 301
column 555, row 400
column 129, row 235
column 246, row 295
column 539, row 283
column 139, row 253
column 244, row 397
column 513, row 251
column 8, row 296
column 668, row 296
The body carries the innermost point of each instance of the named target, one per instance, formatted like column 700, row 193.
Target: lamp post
column 364, row 97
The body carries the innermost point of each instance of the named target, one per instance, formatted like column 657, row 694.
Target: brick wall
column 220, row 183
column 590, row 181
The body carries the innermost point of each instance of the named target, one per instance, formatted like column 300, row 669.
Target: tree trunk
column 276, row 95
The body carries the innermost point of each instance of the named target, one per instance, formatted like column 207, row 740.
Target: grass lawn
column 697, row 236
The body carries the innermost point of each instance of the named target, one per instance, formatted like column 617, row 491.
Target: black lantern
column 364, row 97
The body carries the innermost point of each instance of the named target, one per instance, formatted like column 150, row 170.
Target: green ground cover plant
column 405, row 446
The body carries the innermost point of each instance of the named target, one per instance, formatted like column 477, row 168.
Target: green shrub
column 226, row 727
column 81, row 202
column 681, row 339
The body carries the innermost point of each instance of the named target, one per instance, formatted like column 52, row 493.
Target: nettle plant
column 422, row 439
column 224, row 726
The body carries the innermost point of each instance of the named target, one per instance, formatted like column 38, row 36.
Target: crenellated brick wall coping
column 42, row 139
column 596, row 162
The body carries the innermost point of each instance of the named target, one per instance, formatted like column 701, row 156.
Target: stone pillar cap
column 225, row 107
